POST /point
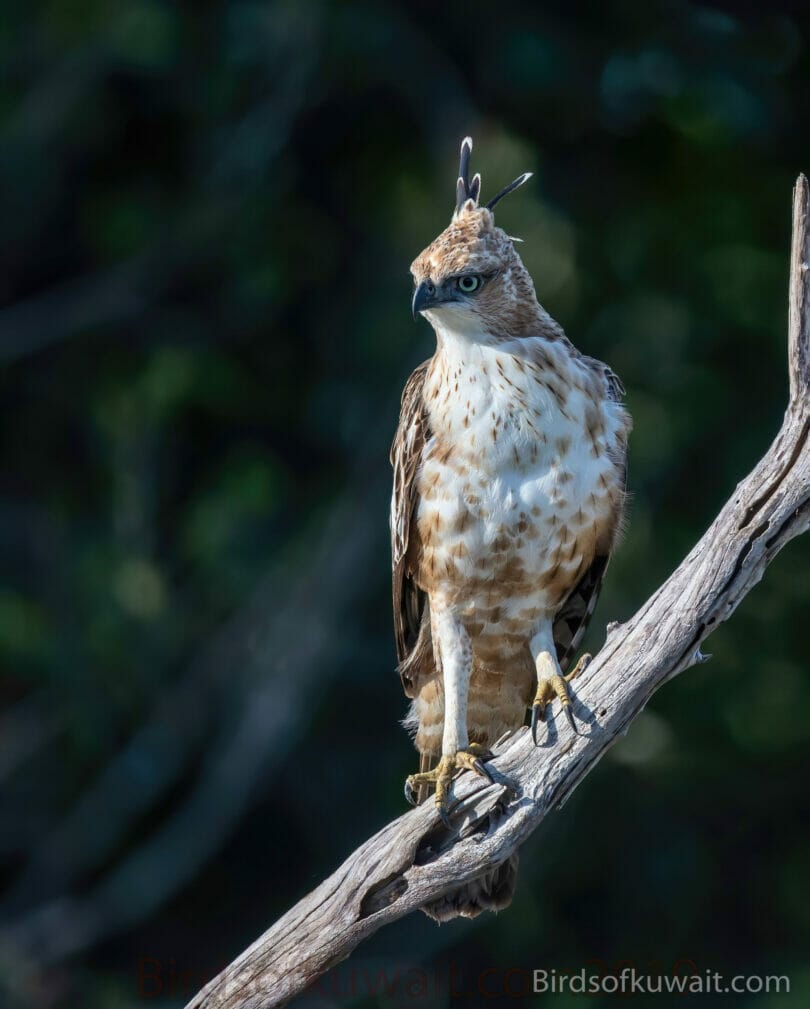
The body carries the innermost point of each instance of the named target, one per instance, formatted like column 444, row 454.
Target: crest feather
column 475, row 188
column 509, row 189
column 468, row 191
column 463, row 189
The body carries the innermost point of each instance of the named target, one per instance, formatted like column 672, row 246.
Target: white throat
column 457, row 325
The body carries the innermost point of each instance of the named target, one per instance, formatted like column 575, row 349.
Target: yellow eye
column 468, row 284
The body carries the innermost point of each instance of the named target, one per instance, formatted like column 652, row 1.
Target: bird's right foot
column 471, row 758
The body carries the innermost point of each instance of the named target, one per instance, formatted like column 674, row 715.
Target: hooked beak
column 423, row 297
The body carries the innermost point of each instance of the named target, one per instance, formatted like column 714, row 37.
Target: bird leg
column 471, row 758
column 452, row 640
column 552, row 683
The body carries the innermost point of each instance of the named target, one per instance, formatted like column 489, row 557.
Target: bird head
column 470, row 279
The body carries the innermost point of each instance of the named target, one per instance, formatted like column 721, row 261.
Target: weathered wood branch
column 415, row 859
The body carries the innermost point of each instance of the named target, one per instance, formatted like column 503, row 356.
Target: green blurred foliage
column 208, row 217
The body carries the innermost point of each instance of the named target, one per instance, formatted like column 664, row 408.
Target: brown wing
column 575, row 614
column 411, row 613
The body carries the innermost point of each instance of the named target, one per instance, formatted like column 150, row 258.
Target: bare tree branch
column 415, row 859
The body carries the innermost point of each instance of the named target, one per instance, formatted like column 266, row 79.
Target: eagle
column 509, row 465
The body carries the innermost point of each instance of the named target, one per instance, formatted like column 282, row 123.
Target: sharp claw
column 444, row 816
column 483, row 770
column 409, row 796
column 570, row 716
column 535, row 720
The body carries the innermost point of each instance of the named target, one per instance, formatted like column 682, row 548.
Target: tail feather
column 492, row 891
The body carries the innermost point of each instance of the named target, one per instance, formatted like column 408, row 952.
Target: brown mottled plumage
column 509, row 470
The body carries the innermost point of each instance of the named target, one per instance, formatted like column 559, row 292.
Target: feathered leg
column 451, row 639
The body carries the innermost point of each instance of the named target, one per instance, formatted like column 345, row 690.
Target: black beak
column 423, row 297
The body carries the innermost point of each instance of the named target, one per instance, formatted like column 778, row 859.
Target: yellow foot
column 469, row 759
column 550, row 687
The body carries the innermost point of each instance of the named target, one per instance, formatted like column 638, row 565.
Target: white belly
column 515, row 489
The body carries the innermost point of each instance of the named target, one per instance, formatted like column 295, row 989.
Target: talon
column 444, row 816
column 536, row 714
column 480, row 768
column 410, row 795
column 570, row 716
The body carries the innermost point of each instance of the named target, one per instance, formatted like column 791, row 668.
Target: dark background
column 208, row 214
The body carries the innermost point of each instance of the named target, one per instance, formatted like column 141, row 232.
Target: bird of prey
column 509, row 486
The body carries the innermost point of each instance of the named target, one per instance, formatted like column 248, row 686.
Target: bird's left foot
column 471, row 758
column 550, row 687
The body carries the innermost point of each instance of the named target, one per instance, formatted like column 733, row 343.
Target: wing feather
column 411, row 609
column 575, row 614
